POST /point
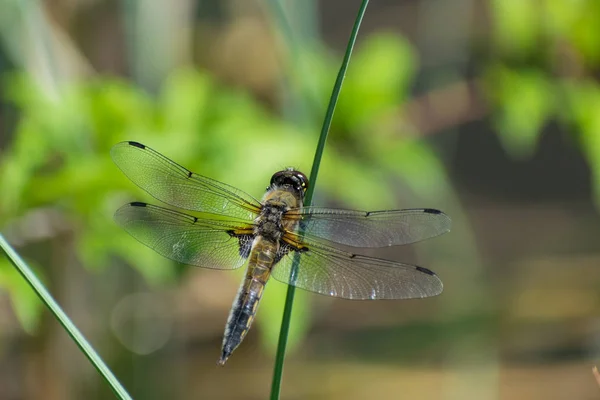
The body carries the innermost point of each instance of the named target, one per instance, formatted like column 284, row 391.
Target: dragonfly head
column 291, row 179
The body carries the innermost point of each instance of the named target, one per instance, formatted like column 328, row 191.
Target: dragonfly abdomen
column 244, row 307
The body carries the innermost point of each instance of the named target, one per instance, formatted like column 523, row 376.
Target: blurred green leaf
column 525, row 102
column 185, row 103
column 575, row 24
column 117, row 109
column 378, row 80
column 585, row 100
column 516, row 25
column 418, row 165
column 357, row 184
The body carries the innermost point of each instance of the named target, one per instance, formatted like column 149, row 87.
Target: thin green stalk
column 287, row 311
column 60, row 315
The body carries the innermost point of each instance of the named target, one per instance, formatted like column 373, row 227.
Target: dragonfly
column 275, row 237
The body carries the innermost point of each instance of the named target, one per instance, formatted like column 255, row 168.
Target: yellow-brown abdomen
column 262, row 257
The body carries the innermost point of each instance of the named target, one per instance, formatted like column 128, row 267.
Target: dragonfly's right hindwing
column 185, row 238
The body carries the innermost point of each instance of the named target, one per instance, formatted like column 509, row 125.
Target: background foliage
column 487, row 110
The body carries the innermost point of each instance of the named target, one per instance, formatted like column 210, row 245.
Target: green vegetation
column 537, row 67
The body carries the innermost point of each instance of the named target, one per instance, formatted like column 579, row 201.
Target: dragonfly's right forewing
column 173, row 184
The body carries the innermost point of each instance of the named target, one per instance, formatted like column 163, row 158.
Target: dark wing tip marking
column 425, row 210
column 138, row 204
column 136, row 144
column 426, row 271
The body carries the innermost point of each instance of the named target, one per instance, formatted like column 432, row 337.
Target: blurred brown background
column 487, row 110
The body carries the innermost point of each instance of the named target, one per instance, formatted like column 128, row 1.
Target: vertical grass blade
column 289, row 300
column 60, row 315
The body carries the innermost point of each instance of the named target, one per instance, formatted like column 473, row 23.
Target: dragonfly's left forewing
column 371, row 229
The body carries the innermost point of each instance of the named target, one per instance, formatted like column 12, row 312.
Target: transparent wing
column 373, row 228
column 207, row 243
column 332, row 272
column 173, row 184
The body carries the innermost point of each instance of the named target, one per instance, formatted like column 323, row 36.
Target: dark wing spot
column 245, row 243
column 352, row 255
column 245, row 247
column 195, row 219
column 136, row 144
column 367, row 213
column 283, row 251
column 287, row 248
column 426, row 271
column 138, row 204
column 431, row 211
column 190, row 174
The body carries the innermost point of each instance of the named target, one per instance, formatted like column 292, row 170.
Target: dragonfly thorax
column 269, row 224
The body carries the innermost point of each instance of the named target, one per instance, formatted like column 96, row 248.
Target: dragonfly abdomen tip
column 223, row 359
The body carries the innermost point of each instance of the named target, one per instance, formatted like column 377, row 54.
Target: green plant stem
column 289, row 300
column 60, row 315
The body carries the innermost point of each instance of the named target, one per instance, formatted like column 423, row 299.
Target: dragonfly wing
column 173, row 184
column 332, row 272
column 217, row 244
column 373, row 228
